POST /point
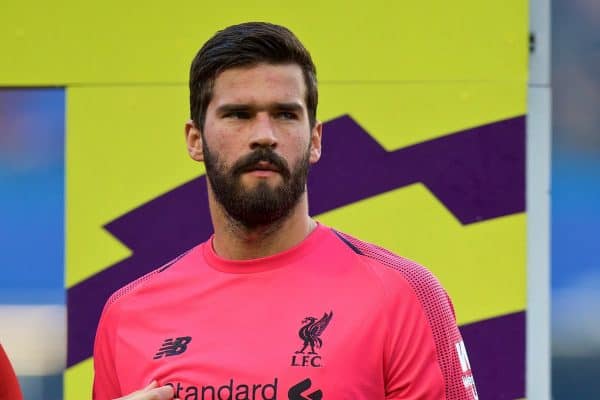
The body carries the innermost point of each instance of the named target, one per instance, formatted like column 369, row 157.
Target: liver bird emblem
column 310, row 333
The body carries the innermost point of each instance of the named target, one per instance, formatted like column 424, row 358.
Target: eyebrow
column 225, row 108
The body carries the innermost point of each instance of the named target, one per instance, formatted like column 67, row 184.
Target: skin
column 263, row 105
column 151, row 392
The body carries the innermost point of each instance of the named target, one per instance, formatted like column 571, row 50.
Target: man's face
column 257, row 144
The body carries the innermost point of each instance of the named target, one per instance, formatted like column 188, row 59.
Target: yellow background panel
column 482, row 265
column 461, row 64
column 125, row 146
column 69, row 41
column 402, row 114
column 78, row 380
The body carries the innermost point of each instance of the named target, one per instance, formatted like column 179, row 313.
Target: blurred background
column 32, row 295
column 576, row 199
column 32, row 226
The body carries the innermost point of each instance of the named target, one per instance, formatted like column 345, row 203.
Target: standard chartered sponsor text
column 228, row 391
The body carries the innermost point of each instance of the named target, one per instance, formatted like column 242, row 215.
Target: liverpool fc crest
column 310, row 333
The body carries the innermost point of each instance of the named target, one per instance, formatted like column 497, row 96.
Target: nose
column 263, row 132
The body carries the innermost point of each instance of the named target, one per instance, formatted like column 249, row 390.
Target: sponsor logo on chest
column 173, row 347
column 310, row 334
column 233, row 390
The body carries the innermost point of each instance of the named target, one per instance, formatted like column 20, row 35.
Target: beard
column 261, row 205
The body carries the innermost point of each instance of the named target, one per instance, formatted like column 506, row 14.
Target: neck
column 234, row 241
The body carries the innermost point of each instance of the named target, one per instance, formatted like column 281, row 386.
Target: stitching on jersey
column 136, row 283
column 170, row 263
column 347, row 242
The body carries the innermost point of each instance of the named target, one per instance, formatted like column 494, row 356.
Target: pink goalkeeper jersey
column 332, row 318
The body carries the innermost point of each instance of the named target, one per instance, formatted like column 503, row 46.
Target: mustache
column 264, row 154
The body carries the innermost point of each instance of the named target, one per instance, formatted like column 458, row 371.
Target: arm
column 106, row 382
column 426, row 355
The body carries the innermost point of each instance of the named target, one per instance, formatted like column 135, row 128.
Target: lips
column 262, row 166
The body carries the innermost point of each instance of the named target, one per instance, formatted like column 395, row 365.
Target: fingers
column 136, row 395
column 151, row 392
column 161, row 393
column 151, row 386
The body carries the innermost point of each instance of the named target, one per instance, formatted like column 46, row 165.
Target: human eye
column 286, row 115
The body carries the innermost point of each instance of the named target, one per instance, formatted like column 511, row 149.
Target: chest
column 253, row 344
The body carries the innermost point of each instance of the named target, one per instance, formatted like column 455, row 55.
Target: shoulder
column 400, row 273
column 154, row 279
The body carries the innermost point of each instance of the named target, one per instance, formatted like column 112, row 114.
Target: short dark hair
column 248, row 44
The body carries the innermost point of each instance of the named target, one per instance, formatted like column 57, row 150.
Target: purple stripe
column 496, row 350
column 477, row 174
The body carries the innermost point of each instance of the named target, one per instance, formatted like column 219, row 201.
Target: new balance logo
column 173, row 347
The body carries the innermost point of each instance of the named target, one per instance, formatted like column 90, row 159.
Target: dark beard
column 261, row 205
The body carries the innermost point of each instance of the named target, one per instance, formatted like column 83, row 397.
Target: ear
column 193, row 138
column 315, row 142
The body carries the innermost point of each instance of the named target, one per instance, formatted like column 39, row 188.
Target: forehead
column 262, row 83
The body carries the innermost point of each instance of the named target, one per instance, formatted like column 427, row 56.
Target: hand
column 151, row 392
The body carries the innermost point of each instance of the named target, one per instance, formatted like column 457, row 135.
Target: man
column 274, row 305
